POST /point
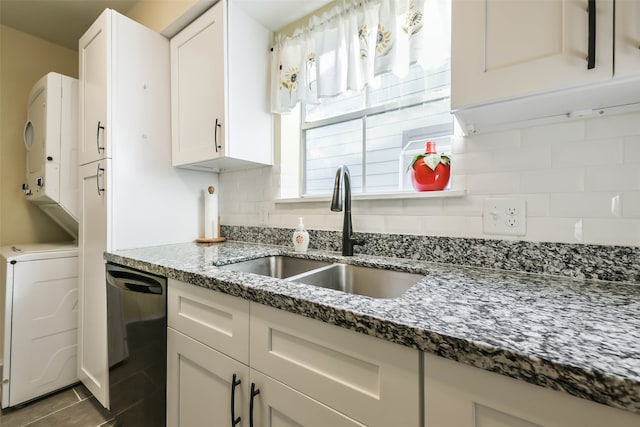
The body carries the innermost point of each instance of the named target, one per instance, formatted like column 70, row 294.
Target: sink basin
column 277, row 266
column 373, row 282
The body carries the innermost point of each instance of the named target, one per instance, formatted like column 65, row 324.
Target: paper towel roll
column 211, row 214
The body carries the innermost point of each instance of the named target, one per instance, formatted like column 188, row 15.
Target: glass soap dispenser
column 300, row 238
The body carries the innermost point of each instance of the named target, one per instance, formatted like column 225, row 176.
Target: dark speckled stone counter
column 580, row 336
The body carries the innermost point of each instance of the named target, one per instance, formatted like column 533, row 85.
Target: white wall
column 570, row 174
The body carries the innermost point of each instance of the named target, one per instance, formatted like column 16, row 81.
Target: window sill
column 380, row 196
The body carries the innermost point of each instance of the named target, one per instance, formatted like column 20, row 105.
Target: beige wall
column 24, row 59
column 158, row 15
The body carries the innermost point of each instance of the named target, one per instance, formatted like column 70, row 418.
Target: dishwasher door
column 137, row 345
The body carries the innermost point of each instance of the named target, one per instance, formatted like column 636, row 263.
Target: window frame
column 363, row 114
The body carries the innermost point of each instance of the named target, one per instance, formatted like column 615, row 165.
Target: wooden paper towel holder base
column 212, row 239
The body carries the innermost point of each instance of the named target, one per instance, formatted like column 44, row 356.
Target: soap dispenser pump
column 300, row 238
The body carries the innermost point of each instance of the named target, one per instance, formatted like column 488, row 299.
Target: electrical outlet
column 504, row 216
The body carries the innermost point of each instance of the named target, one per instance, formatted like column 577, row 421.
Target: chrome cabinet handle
column 591, row 55
column 98, row 137
column 215, row 136
column 234, row 382
column 100, row 190
column 254, row 392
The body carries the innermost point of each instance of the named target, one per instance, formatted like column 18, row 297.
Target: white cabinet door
column 627, row 54
column 219, row 91
column 370, row 380
column 277, row 405
column 463, row 396
column 197, row 89
column 200, row 390
column 94, row 68
column 92, row 294
column 504, row 49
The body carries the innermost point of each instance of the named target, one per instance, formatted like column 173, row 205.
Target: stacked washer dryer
column 39, row 282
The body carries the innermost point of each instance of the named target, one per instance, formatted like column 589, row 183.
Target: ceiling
column 64, row 21
column 59, row 21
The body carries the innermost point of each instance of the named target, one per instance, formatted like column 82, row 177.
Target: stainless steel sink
column 280, row 267
column 373, row 282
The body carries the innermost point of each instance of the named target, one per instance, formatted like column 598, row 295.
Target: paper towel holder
column 213, row 239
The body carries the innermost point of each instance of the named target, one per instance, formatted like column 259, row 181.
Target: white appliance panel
column 40, row 285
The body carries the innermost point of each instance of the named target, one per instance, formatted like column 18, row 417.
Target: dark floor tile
column 19, row 416
column 82, row 391
column 87, row 413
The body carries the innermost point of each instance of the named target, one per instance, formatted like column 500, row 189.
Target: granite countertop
column 574, row 335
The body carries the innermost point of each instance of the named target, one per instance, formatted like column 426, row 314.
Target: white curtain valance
column 345, row 49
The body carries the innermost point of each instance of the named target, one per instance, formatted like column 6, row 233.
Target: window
column 376, row 132
column 373, row 82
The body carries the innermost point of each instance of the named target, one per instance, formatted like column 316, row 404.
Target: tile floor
column 71, row 407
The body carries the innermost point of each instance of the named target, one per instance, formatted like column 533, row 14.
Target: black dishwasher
column 137, row 346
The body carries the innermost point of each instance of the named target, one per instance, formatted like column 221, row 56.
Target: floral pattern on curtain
column 345, row 49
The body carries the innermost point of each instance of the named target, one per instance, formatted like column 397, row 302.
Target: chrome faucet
column 348, row 241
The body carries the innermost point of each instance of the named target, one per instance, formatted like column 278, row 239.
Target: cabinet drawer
column 370, row 380
column 213, row 318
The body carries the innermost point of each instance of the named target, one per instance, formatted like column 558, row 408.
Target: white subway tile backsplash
column 569, row 173
column 369, row 223
column 557, row 133
column 494, row 183
column 620, row 177
column 406, row 225
column 625, row 232
column 553, row 230
column 553, row 181
column 537, row 204
column 581, row 205
column 631, row 204
column 589, row 153
column 453, row 226
column 631, row 150
column 469, row 205
column 521, row 159
column 469, row 163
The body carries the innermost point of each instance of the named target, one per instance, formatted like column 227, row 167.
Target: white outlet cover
column 506, row 216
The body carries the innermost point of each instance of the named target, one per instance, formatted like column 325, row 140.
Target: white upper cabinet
column 94, row 65
column 525, row 62
column 219, row 91
column 504, row 48
column 627, row 43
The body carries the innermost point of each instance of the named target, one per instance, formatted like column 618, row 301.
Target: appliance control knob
column 49, row 158
column 39, row 181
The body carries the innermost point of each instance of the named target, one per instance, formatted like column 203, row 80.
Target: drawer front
column 218, row 320
column 370, row 380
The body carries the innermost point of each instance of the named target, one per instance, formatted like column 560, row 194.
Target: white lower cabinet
column 463, row 396
column 201, row 389
column 303, row 372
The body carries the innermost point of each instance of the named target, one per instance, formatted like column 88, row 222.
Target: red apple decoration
column 430, row 171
